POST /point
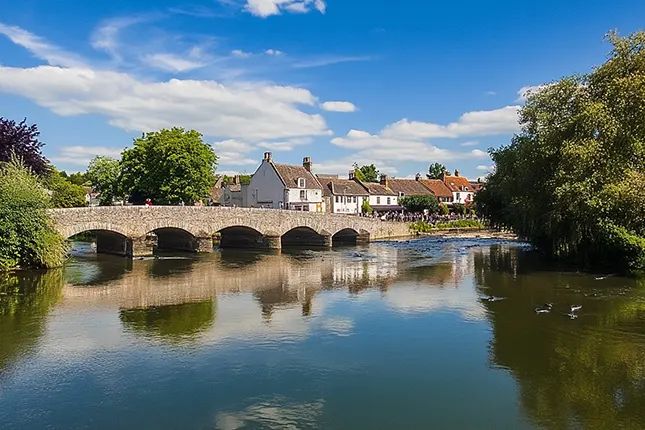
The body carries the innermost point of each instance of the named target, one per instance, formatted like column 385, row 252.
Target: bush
column 64, row 194
column 443, row 209
column 419, row 203
column 27, row 237
column 424, row 227
column 460, row 209
column 366, row 207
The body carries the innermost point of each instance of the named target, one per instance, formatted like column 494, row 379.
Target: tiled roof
column 290, row 175
column 476, row 186
column 437, row 187
column 409, row 187
column 378, row 189
column 455, row 183
column 342, row 187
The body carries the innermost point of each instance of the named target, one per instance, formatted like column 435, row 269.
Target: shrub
column 419, row 203
column 27, row 237
column 366, row 207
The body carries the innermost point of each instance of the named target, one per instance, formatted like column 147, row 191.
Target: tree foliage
column 366, row 207
column 366, row 173
column 27, row 236
column 419, row 203
column 168, row 166
column 104, row 174
column 443, row 209
column 571, row 181
column 21, row 140
column 63, row 193
column 435, row 170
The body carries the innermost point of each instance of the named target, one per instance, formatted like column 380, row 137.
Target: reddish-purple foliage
column 22, row 140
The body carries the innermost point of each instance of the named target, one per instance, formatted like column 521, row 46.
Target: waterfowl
column 545, row 308
column 575, row 308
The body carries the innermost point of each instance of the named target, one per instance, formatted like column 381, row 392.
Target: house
column 235, row 194
column 476, row 186
column 381, row 198
column 283, row 186
column 439, row 189
column 462, row 190
column 406, row 187
column 343, row 196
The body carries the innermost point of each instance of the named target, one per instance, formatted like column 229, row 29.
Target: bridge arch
column 349, row 236
column 240, row 236
column 304, row 236
column 74, row 229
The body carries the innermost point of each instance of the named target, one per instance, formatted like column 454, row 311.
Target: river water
column 394, row 335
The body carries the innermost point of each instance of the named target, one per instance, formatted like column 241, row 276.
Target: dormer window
column 401, row 194
column 301, row 182
column 466, row 188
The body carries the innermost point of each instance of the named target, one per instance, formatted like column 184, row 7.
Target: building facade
column 462, row 190
column 344, row 196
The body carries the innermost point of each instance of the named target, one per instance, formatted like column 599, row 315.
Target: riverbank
column 475, row 233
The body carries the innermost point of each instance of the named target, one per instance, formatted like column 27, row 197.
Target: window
column 458, row 196
column 354, row 199
column 303, row 194
column 378, row 200
column 389, row 201
column 301, row 182
column 337, row 199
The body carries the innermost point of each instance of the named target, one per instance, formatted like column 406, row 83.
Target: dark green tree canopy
column 22, row 140
column 64, row 193
column 434, row 171
column 168, row 166
column 571, row 181
column 419, row 203
column 366, row 173
column 104, row 174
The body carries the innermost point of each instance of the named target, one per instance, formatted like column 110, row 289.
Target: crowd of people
column 430, row 218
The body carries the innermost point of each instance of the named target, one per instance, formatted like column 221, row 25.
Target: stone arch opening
column 345, row 237
column 240, row 237
column 305, row 237
column 104, row 241
column 173, row 239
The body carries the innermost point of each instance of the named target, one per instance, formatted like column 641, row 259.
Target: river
column 394, row 335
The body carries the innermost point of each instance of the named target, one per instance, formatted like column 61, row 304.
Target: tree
column 443, row 209
column 459, row 208
column 435, row 170
column 104, row 174
column 21, row 140
column 27, row 236
column 419, row 203
column 366, row 173
column 78, row 178
column 168, row 166
column 571, row 181
column 366, row 207
column 64, row 194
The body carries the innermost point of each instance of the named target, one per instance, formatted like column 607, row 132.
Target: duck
column 545, row 308
column 575, row 308
column 572, row 315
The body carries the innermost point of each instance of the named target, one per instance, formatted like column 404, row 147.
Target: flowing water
column 394, row 335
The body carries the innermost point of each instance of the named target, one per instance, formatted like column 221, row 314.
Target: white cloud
column 477, row 123
column 53, row 55
column 233, row 153
column 106, row 36
column 82, row 155
column 524, row 92
column 264, row 8
column 328, row 60
column 240, row 54
column 491, row 93
column 285, row 145
column 469, row 143
column 486, row 168
column 273, row 52
column 171, row 62
column 338, row 106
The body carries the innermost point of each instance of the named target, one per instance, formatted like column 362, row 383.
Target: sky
column 397, row 84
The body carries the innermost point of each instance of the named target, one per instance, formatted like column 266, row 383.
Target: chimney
column 417, row 177
column 443, row 175
column 384, row 180
column 351, row 175
column 267, row 156
column 306, row 163
column 236, row 180
column 456, row 172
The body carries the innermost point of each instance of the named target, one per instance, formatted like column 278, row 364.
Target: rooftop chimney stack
column 384, row 180
column 443, row 174
column 306, row 163
column 267, row 156
column 236, row 180
column 417, row 177
column 456, row 172
column 351, row 175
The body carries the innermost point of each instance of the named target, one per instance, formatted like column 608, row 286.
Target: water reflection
column 588, row 372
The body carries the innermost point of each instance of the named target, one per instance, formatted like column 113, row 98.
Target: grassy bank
column 424, row 227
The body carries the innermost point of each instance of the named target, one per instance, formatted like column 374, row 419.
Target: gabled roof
column 455, row 183
column 437, row 187
column 476, row 186
column 290, row 174
column 342, row 187
column 377, row 189
column 409, row 187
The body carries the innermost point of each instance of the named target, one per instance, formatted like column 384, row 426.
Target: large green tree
column 419, row 203
column 104, row 174
column 571, row 181
column 367, row 173
column 63, row 193
column 168, row 166
column 435, row 170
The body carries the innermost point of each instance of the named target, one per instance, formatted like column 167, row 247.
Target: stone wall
column 137, row 221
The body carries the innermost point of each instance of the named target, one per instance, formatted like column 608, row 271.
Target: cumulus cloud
column 82, row 155
column 40, row 48
column 338, row 106
column 264, row 8
column 106, row 37
column 482, row 167
column 234, row 153
column 524, row 92
column 478, row 123
column 469, row 143
column 273, row 52
column 171, row 62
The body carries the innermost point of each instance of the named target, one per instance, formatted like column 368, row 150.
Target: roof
column 438, row 188
column 455, row 183
column 377, row 189
column 342, row 187
column 476, row 186
column 290, row 174
column 216, row 193
column 409, row 187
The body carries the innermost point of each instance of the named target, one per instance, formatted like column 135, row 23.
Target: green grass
column 424, row 227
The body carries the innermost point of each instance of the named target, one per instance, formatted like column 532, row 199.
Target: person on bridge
column 148, row 202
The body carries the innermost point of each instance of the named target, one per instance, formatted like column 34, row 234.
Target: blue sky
column 398, row 84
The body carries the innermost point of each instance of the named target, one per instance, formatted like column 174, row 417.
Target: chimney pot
column 456, row 172
column 306, row 163
column 384, row 180
column 267, row 156
column 418, row 177
column 351, row 174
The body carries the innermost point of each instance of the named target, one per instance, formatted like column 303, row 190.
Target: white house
column 462, row 190
column 282, row 186
column 381, row 197
column 345, row 196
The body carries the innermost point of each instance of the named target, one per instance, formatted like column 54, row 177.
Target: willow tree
column 570, row 182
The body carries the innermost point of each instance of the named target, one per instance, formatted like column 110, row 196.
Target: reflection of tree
column 171, row 266
column 25, row 300
column 96, row 270
column 436, row 274
column 589, row 371
column 172, row 322
column 276, row 297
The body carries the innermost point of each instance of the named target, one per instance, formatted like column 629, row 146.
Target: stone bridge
column 137, row 231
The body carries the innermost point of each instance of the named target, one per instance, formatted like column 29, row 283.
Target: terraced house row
column 284, row 186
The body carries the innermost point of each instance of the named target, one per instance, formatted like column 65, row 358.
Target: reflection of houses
column 344, row 196
column 285, row 186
